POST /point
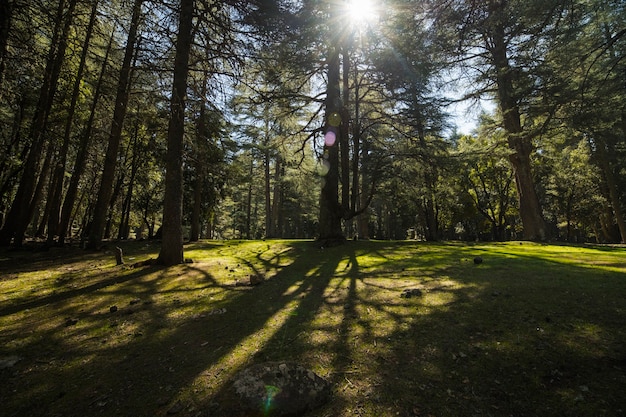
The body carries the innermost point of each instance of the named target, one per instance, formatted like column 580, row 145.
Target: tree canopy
column 327, row 119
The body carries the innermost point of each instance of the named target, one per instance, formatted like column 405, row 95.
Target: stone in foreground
column 276, row 389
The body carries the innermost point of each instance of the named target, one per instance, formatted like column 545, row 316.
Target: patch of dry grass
column 535, row 330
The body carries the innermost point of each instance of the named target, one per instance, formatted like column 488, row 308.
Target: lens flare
column 334, row 119
column 271, row 392
column 330, row 138
column 323, row 167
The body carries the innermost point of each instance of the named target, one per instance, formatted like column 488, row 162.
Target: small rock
column 71, row 322
column 9, row 361
column 478, row 260
column 256, row 279
column 413, row 292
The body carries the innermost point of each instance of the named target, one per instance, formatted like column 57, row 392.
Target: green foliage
column 259, row 71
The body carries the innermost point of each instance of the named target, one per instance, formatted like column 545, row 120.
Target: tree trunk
column 521, row 145
column 6, row 14
column 124, row 229
column 330, row 210
column 277, row 203
column 110, row 162
column 249, row 199
column 81, row 156
column 19, row 217
column 364, row 218
column 611, row 186
column 269, row 226
column 57, row 190
column 194, row 234
column 172, row 244
column 344, row 133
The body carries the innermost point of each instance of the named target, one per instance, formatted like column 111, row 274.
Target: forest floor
column 533, row 330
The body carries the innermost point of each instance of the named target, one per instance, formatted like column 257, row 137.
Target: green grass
column 535, row 330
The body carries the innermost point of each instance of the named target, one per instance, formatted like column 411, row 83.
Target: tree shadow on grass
column 479, row 343
column 147, row 359
column 476, row 342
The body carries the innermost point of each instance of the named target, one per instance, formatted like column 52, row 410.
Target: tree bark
column 277, row 203
column 83, row 150
column 612, row 188
column 269, row 227
column 59, row 172
column 110, row 162
column 520, row 144
column 249, row 200
column 19, row 215
column 6, row 14
column 330, row 209
column 172, row 244
column 194, row 234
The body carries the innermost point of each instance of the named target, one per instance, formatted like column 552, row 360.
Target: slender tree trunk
column 269, row 226
column 277, row 202
column 110, row 162
column 172, row 244
column 194, row 234
column 18, row 217
column 356, row 148
column 6, row 15
column 202, row 136
column 9, row 172
column 343, row 139
column 57, row 191
column 124, row 229
column 249, row 200
column 519, row 142
column 364, row 218
column 83, row 150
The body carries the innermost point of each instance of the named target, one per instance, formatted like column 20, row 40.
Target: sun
column 362, row 11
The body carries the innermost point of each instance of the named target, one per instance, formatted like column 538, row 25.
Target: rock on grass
column 276, row 389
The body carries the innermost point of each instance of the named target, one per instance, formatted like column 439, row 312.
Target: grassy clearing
column 535, row 330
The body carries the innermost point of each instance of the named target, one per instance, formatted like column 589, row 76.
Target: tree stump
column 119, row 256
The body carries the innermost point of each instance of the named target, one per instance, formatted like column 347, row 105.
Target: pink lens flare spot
column 330, row 138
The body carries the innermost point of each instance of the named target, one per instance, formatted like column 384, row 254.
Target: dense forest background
column 306, row 119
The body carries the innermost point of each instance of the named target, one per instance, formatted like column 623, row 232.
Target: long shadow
column 490, row 350
column 151, row 363
column 68, row 294
column 142, row 370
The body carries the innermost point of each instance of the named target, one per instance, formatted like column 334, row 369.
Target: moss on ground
column 534, row 330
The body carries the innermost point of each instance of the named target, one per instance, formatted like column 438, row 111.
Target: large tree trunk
column 611, row 185
column 172, row 244
column 330, row 210
column 519, row 142
column 110, row 161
